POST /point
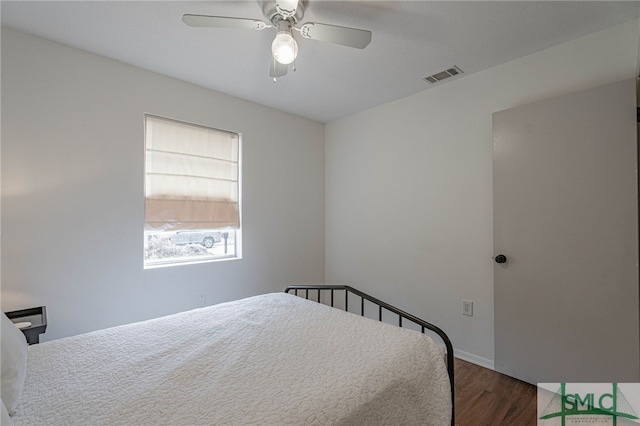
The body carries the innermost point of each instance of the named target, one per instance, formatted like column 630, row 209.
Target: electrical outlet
column 202, row 301
column 467, row 308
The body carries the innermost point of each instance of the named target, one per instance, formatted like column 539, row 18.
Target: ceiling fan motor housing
column 270, row 11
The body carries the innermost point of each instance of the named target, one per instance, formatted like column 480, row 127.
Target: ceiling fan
column 284, row 15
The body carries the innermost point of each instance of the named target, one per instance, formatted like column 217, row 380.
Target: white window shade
column 191, row 176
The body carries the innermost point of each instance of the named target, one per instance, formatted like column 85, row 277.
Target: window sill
column 194, row 261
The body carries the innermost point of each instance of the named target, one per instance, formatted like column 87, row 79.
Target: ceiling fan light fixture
column 284, row 48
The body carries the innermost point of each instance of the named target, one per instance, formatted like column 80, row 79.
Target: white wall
column 409, row 184
column 72, row 190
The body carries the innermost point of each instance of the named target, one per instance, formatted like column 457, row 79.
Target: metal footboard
column 382, row 306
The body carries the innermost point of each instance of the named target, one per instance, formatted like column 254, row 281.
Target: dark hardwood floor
column 487, row 398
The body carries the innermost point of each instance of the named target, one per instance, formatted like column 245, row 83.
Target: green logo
column 584, row 404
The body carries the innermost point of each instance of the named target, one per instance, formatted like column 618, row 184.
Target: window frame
column 237, row 239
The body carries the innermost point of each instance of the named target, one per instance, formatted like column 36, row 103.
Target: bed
column 274, row 359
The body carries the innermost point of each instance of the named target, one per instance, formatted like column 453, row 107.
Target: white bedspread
column 268, row 360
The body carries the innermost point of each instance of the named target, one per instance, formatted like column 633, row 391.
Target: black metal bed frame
column 424, row 325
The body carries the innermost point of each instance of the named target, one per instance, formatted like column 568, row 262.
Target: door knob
column 501, row 258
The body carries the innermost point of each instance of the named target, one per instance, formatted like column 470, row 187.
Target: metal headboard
column 424, row 325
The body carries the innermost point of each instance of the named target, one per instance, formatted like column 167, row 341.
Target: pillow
column 5, row 420
column 13, row 346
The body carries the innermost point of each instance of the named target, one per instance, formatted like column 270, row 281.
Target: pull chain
column 274, row 67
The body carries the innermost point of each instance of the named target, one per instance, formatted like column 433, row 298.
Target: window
column 192, row 193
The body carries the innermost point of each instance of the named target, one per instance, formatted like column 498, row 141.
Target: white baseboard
column 474, row 359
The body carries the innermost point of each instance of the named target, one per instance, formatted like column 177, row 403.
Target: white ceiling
column 411, row 40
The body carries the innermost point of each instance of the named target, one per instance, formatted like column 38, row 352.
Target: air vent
column 443, row 75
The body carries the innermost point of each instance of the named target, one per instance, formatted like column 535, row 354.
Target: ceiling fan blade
column 223, row 22
column 277, row 69
column 345, row 36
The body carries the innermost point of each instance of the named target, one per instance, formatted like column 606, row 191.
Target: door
column 566, row 219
